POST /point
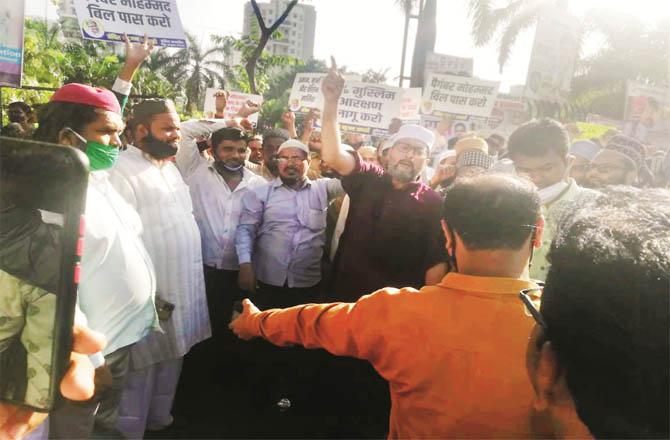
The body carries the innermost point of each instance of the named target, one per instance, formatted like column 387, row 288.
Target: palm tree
column 630, row 50
column 195, row 69
column 510, row 20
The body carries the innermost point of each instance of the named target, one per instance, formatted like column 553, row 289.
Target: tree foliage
column 265, row 34
column 630, row 49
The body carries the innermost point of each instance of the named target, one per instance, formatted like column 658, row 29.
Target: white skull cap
column 413, row 132
column 293, row 143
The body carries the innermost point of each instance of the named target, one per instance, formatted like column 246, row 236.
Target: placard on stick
column 109, row 20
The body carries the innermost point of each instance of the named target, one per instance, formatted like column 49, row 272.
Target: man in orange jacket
column 453, row 353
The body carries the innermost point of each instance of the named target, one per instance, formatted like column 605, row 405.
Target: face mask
column 159, row 149
column 551, row 193
column 100, row 156
column 222, row 167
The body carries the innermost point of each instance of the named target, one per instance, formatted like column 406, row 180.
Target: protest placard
column 364, row 108
column 447, row 65
column 555, row 52
column 444, row 94
column 234, row 103
column 647, row 111
column 108, row 20
column 11, row 42
column 409, row 104
column 508, row 113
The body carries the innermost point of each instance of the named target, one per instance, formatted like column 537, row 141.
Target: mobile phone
column 42, row 200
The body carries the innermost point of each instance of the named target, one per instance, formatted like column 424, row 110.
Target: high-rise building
column 68, row 20
column 297, row 30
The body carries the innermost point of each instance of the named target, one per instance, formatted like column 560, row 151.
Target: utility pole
column 410, row 14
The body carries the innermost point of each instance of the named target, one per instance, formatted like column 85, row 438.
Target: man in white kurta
column 150, row 182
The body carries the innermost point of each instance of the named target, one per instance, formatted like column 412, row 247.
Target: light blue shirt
column 282, row 231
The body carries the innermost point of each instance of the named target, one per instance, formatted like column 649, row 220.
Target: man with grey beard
column 392, row 235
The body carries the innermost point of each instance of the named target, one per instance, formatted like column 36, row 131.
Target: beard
column 290, row 176
column 403, row 171
column 159, row 149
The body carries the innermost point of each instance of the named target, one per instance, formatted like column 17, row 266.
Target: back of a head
column 539, row 137
column 607, row 310
column 492, row 211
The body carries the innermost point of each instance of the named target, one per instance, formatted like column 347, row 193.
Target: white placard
column 234, row 103
column 364, row 108
column 555, row 52
column 443, row 94
column 448, row 65
column 108, row 20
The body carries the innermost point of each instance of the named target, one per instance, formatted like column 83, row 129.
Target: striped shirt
column 216, row 208
column 161, row 198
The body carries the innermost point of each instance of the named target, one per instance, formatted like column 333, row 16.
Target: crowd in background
column 409, row 267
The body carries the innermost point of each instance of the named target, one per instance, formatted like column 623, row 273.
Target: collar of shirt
column 470, row 283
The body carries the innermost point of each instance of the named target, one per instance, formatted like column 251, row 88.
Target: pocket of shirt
column 316, row 219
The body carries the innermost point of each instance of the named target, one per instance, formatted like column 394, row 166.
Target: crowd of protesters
column 415, row 286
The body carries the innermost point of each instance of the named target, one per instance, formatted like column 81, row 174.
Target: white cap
column 444, row 155
column 413, row 132
column 293, row 143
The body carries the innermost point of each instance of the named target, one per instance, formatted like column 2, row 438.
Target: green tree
column 195, row 69
column 509, row 21
column 375, row 76
column 261, row 38
column 631, row 50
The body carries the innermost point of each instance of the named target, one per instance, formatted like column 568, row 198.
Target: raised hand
column 333, row 84
column 136, row 53
column 288, row 118
column 248, row 109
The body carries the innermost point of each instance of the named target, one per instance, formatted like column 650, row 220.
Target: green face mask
column 101, row 157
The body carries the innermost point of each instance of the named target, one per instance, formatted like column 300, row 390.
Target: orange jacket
column 453, row 354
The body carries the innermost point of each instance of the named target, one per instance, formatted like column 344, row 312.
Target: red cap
column 87, row 95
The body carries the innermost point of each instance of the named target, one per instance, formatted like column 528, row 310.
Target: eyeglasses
column 417, row 151
column 293, row 159
column 532, row 309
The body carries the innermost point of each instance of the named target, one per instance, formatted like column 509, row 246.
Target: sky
column 364, row 34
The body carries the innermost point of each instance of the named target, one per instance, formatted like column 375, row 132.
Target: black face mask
column 159, row 149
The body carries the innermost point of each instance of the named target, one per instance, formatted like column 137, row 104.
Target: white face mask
column 551, row 193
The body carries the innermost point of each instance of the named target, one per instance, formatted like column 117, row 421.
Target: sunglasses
column 526, row 297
